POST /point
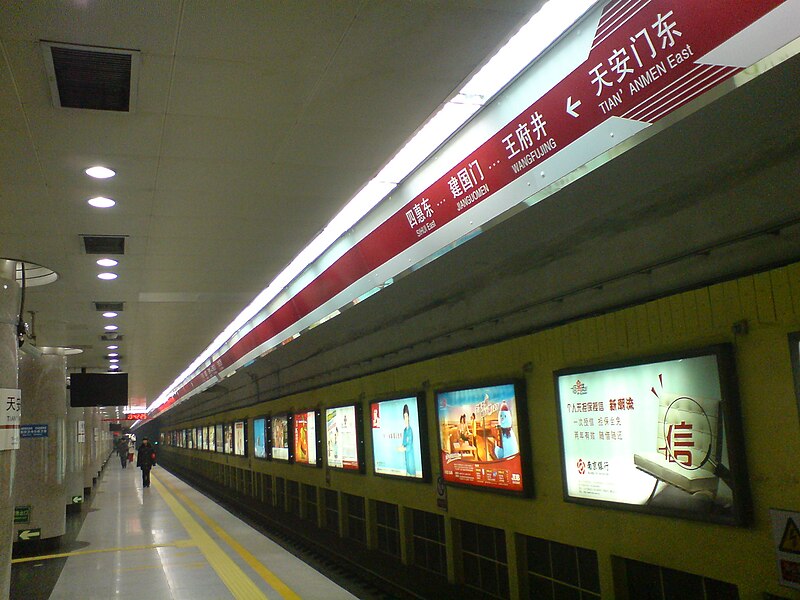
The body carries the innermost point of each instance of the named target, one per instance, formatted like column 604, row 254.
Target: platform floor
column 169, row 541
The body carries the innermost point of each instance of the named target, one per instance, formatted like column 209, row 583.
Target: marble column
column 42, row 458
column 75, row 458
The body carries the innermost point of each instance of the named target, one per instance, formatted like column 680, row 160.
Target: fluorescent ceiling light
column 101, row 202
column 107, row 276
column 112, row 347
column 549, row 23
column 109, row 314
column 107, row 262
column 110, row 327
column 113, row 367
column 113, row 354
column 113, row 360
column 100, row 172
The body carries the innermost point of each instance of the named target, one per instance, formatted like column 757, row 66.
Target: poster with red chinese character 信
column 659, row 435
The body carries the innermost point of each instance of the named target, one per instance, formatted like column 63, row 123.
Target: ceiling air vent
column 104, row 244
column 90, row 77
column 104, row 306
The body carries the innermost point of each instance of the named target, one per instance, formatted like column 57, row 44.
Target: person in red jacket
column 146, row 460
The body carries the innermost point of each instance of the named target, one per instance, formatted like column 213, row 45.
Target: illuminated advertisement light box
column 210, row 438
column 659, row 435
column 279, row 440
column 219, row 438
column 240, row 438
column 307, row 438
column 228, row 433
column 344, row 438
column 200, row 440
column 398, row 438
column 483, row 437
column 260, row 438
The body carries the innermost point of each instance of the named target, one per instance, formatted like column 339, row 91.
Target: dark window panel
column 588, row 570
column 540, row 588
column 565, row 563
column 564, row 592
column 469, row 537
column 682, row 586
column 644, row 581
column 538, row 556
column 719, row 590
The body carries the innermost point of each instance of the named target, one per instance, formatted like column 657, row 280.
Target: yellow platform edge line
column 273, row 580
column 239, row 584
column 178, row 544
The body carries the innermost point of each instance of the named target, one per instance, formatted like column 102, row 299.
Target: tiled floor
column 169, row 541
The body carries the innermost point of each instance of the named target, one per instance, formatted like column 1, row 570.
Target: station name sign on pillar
column 10, row 418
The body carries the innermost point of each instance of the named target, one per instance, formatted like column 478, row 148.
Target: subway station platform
column 165, row 541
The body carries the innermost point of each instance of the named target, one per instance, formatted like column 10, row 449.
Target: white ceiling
column 255, row 122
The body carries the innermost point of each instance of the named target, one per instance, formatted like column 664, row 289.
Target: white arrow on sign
column 572, row 106
column 27, row 534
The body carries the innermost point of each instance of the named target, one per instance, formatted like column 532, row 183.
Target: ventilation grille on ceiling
column 90, row 77
column 104, row 306
column 104, row 244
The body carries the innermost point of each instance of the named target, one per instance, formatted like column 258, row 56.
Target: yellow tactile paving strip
column 285, row 592
column 239, row 584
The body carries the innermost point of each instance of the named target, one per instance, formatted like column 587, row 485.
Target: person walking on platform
column 122, row 451
column 146, row 460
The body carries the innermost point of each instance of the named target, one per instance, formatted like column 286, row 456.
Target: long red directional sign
column 647, row 58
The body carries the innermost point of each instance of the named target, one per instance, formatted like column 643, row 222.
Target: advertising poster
column 649, row 435
column 228, row 432
column 396, row 437
column 212, row 446
column 479, row 437
column 305, row 438
column 280, row 437
column 342, row 439
column 260, row 433
column 239, row 445
column 201, row 442
column 192, row 438
column 219, row 438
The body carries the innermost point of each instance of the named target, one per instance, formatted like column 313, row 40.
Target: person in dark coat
column 146, row 460
column 122, row 451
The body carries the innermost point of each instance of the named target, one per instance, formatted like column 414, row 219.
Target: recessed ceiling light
column 113, row 354
column 112, row 347
column 107, row 262
column 110, row 327
column 101, row 202
column 107, row 276
column 100, row 172
column 109, row 314
column 115, row 367
column 113, row 360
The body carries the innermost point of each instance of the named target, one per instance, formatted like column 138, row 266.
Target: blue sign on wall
column 33, row 431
